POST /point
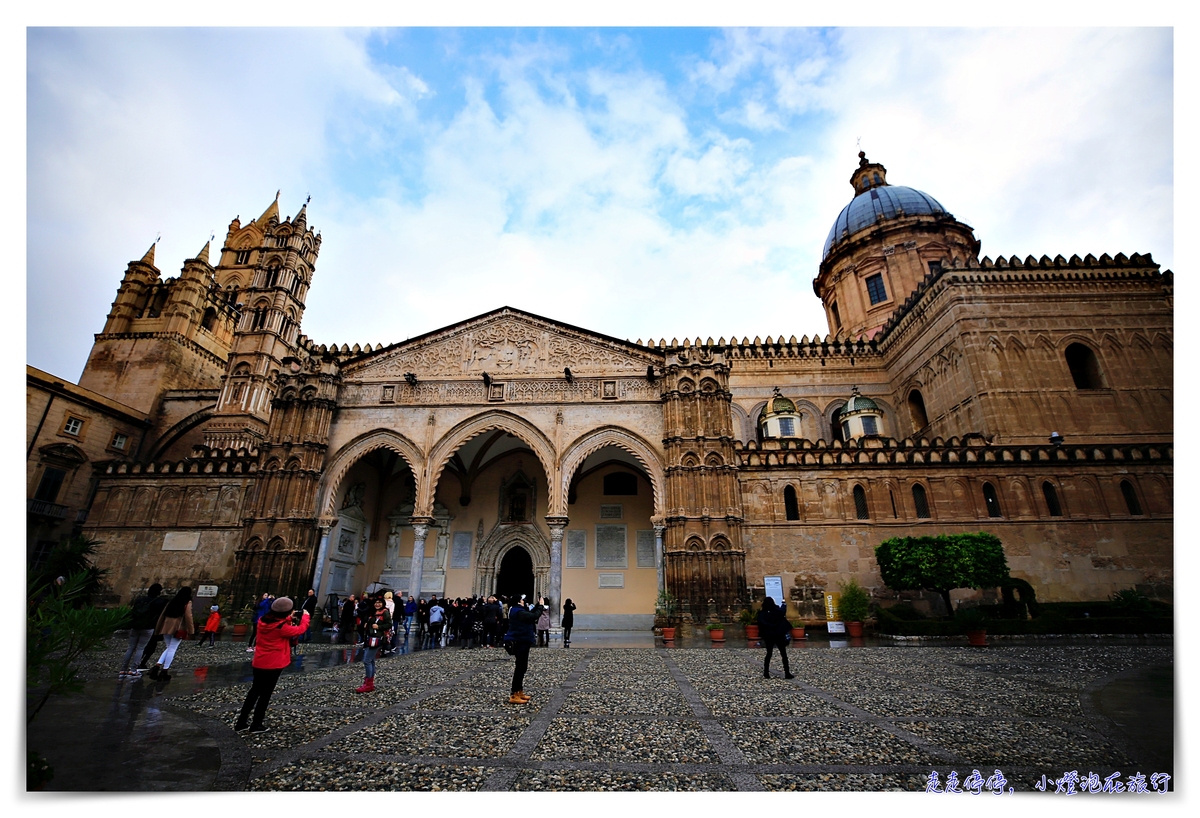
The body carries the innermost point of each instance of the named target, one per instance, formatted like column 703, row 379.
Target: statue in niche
column 516, row 498
column 443, row 544
column 392, row 556
column 355, row 496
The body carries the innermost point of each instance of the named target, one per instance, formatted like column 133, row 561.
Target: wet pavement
column 618, row 711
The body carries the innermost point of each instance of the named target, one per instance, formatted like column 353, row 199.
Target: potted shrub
column 854, row 606
column 971, row 621
column 798, row 633
column 716, row 631
column 746, row 617
column 664, row 610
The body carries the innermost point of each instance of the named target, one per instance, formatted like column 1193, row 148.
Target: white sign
column 836, row 627
column 206, row 590
column 181, row 541
column 774, row 589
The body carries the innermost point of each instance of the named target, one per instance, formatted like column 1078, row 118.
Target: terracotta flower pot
column 977, row 638
column 717, row 635
column 752, row 631
column 797, row 633
column 854, row 629
column 668, row 634
column 239, row 631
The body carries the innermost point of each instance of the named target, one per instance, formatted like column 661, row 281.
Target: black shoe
column 241, row 727
column 788, row 676
column 163, row 676
column 259, row 728
column 154, row 671
column 766, row 674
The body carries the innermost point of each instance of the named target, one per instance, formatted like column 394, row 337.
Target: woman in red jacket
column 272, row 653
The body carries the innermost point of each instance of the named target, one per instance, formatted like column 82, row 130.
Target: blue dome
column 878, row 204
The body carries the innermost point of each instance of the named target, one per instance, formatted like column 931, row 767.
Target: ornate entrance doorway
column 516, row 574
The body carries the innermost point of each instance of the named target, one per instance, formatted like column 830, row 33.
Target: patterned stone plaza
column 694, row 718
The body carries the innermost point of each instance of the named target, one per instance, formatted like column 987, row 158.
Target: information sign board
column 774, row 588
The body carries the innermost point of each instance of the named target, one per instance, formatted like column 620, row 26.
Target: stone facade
column 513, row 451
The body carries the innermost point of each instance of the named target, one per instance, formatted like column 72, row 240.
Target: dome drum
column 779, row 418
column 861, row 417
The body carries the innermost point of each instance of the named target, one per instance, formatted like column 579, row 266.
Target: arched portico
column 450, row 442
column 623, row 439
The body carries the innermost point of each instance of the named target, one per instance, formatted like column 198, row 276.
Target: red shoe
column 368, row 686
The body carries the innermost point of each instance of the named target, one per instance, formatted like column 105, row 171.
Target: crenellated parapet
column 921, row 452
column 203, row 461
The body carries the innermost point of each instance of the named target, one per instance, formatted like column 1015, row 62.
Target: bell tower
column 267, row 266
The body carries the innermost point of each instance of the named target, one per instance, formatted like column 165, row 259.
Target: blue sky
column 640, row 182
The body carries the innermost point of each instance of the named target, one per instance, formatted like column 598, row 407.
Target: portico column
column 557, row 526
column 659, row 530
column 421, row 531
column 324, row 527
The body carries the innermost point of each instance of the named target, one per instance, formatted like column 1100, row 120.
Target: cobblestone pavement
column 685, row 719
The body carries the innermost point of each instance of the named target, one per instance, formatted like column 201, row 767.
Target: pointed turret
column 203, row 254
column 149, row 257
column 301, row 220
column 271, row 211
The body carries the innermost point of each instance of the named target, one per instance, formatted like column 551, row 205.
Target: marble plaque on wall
column 181, row 541
column 610, row 547
column 612, row 581
column 460, row 553
column 576, row 549
column 611, row 511
column 645, row 549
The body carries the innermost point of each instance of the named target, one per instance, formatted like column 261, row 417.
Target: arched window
column 272, row 276
column 1131, row 498
column 991, row 500
column 835, row 422
column 916, row 410
column 620, row 483
column 1051, row 495
column 209, row 320
column 921, row 501
column 791, row 507
column 1085, row 369
column 892, row 499
column 860, row 504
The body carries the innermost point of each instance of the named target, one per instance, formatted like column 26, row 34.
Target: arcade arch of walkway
column 443, row 520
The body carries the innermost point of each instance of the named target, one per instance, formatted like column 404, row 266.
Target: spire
column 203, row 254
column 272, row 210
column 301, row 217
column 149, row 257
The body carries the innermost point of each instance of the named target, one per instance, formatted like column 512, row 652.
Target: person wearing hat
column 272, row 653
column 211, row 626
column 376, row 629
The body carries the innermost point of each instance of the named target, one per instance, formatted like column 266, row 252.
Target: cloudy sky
column 637, row 182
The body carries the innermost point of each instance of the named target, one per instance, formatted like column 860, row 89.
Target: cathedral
column 209, row 442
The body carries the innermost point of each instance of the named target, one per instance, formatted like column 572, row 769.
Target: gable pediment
column 505, row 343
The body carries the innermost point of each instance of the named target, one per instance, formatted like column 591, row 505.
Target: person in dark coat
column 346, row 620
column 568, row 622
column 522, row 632
column 309, row 606
column 141, row 627
column 774, row 628
column 491, row 622
column 157, row 603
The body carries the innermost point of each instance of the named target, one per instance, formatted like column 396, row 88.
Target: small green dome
column 782, row 404
column 858, row 403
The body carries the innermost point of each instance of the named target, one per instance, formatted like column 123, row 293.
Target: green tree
column 942, row 563
column 59, row 628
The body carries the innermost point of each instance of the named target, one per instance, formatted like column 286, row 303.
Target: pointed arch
column 501, row 420
column 597, row 439
column 353, row 451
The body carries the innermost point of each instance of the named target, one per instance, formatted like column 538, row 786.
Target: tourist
column 491, row 622
column 346, row 620
column 261, row 608
column 437, row 615
column 211, row 626
column 521, row 625
column 141, row 627
column 389, row 602
column 773, row 629
column 309, row 606
column 271, row 655
column 361, row 613
column 410, row 610
column 422, row 621
column 543, row 628
column 376, row 629
column 568, row 622
column 175, row 625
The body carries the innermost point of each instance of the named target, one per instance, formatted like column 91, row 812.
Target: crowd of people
column 376, row 625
